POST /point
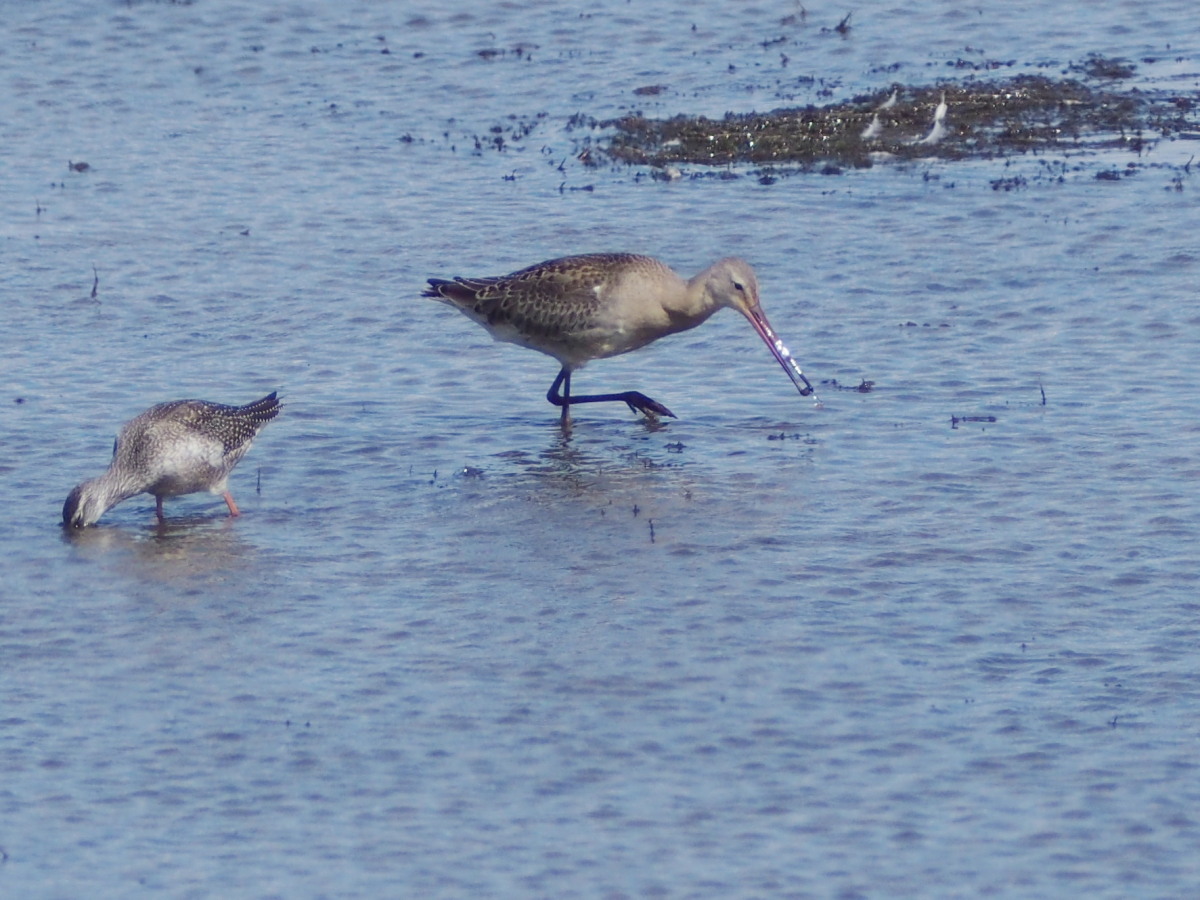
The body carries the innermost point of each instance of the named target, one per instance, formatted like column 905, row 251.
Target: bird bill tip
column 780, row 352
column 785, row 358
column 794, row 372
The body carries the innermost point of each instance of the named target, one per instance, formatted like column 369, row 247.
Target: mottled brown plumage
column 174, row 448
column 580, row 308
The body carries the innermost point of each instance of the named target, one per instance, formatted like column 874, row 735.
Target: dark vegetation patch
column 983, row 119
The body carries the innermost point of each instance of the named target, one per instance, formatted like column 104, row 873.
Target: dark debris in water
column 955, row 421
column 863, row 387
column 1098, row 66
column 984, row 119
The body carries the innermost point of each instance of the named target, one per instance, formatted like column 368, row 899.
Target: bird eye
column 738, row 286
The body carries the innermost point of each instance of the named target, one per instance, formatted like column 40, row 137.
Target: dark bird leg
column 158, row 508
column 636, row 401
column 563, row 399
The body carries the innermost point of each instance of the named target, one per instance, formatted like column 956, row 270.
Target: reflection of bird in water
column 173, row 448
column 187, row 549
column 581, row 308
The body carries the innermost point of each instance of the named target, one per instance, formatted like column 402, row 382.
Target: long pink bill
column 779, row 351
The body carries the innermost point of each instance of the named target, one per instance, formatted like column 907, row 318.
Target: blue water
column 938, row 639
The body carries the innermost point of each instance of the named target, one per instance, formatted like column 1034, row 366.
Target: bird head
column 82, row 508
column 732, row 283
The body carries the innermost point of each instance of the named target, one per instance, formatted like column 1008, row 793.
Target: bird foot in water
column 651, row 409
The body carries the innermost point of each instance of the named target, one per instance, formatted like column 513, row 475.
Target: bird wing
column 546, row 300
column 233, row 426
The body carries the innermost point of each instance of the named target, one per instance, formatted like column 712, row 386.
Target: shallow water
column 868, row 649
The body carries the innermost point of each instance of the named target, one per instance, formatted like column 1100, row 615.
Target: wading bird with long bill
column 580, row 308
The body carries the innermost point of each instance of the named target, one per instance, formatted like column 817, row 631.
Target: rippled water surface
column 938, row 639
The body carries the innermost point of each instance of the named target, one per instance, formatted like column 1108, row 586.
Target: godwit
column 173, row 448
column 580, row 308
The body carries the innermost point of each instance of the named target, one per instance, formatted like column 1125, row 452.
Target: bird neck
column 114, row 485
column 697, row 301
